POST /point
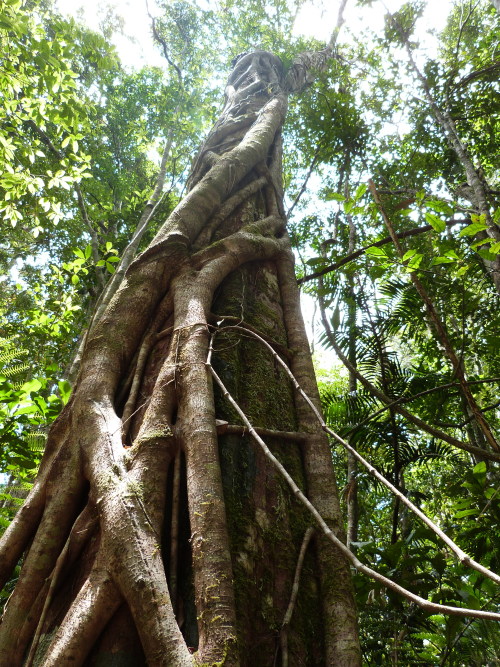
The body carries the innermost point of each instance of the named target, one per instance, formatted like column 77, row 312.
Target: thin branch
column 479, row 187
column 459, row 636
column 81, row 202
column 163, row 44
column 313, row 164
column 413, row 397
column 340, row 22
column 307, row 64
column 461, row 555
column 438, row 328
column 475, row 451
column 130, row 251
column 293, row 598
column 477, row 74
column 387, row 583
column 376, row 244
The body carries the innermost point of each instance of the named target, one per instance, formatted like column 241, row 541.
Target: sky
column 314, row 19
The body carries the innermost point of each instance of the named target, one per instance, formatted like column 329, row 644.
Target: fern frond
column 11, row 371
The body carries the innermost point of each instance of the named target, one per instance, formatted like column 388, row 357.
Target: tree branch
column 413, row 397
column 306, row 65
column 376, row 244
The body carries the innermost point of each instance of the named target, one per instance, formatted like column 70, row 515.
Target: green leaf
column 64, row 390
column 376, row 252
column 408, row 254
column 415, row 262
column 335, row 196
column 486, row 254
column 479, row 468
column 360, row 191
column 470, row 512
column 32, row 385
column 481, row 242
column 435, row 222
column 439, row 206
column 473, row 229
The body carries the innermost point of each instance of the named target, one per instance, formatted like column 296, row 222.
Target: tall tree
column 152, row 511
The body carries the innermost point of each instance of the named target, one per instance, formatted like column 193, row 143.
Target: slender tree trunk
column 352, row 464
column 155, row 531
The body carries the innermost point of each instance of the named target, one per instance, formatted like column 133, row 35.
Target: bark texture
column 156, row 533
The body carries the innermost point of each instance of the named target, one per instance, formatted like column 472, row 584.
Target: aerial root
column 78, row 538
column 93, row 607
column 293, row 597
column 64, row 491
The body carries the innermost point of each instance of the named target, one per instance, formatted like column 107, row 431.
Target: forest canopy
column 392, row 197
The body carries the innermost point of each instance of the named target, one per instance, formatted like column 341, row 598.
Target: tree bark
column 138, row 478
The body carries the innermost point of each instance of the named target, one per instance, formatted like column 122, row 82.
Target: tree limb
column 376, row 244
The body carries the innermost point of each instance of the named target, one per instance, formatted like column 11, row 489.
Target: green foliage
column 26, row 408
column 378, row 319
column 41, row 106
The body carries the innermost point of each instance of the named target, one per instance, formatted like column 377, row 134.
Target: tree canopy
column 392, row 187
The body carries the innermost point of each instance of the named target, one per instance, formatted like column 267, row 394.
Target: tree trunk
column 156, row 532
